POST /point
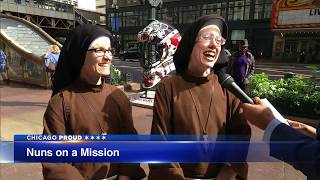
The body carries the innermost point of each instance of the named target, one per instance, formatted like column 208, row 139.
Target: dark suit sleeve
column 303, row 152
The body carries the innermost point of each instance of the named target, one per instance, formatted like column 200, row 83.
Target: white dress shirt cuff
column 268, row 131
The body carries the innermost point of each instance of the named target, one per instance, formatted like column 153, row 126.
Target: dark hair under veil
column 73, row 54
column 181, row 57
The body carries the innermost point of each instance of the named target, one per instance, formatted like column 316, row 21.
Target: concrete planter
column 133, row 87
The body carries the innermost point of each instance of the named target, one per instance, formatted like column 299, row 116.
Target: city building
column 247, row 19
column 101, row 8
column 297, row 31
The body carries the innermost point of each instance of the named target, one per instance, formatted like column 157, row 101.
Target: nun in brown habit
column 82, row 103
column 192, row 102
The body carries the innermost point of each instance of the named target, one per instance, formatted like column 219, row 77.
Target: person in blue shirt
column 52, row 57
column 51, row 60
column 3, row 66
column 300, row 145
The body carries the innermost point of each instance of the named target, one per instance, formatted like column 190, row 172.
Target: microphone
column 227, row 82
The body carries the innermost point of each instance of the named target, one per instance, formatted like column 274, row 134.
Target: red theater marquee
column 291, row 14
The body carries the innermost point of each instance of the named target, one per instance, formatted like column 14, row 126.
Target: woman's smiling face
column 206, row 50
column 97, row 62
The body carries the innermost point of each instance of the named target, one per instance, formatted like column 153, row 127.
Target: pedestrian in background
column 242, row 65
column 51, row 58
column 192, row 102
column 82, row 103
column 3, row 67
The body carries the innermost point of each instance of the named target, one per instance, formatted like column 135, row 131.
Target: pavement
column 22, row 108
column 277, row 70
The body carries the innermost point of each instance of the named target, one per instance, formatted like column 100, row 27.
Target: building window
column 263, row 9
column 230, row 11
column 168, row 15
column 238, row 35
column 224, row 9
column 258, row 11
column 267, row 10
column 239, row 10
column 211, row 8
column 215, row 8
column 247, row 10
column 131, row 19
column 189, row 14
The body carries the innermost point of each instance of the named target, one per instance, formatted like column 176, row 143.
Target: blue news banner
column 132, row 149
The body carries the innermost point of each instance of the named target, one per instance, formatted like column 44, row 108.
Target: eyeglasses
column 101, row 52
column 208, row 37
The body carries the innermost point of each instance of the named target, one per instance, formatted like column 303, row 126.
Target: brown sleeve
column 53, row 123
column 133, row 170
column 161, row 125
column 237, row 125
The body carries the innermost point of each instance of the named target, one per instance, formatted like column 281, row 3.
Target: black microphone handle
column 237, row 91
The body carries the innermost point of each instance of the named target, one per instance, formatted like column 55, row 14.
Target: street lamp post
column 154, row 4
column 115, row 25
column 152, row 56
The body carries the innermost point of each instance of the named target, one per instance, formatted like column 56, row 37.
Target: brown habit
column 93, row 110
column 181, row 107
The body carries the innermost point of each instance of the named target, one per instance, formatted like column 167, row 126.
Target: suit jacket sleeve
column 161, row 125
column 53, row 123
column 303, row 152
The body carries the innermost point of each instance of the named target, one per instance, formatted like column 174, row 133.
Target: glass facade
column 262, row 9
column 133, row 18
column 183, row 14
column 169, row 15
column 240, row 15
column 215, row 8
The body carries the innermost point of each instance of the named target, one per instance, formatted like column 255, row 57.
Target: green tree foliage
column 116, row 77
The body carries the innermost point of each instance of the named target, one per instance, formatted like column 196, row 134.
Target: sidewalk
column 22, row 108
column 270, row 61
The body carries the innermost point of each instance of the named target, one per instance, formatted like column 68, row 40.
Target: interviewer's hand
column 259, row 114
column 303, row 128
